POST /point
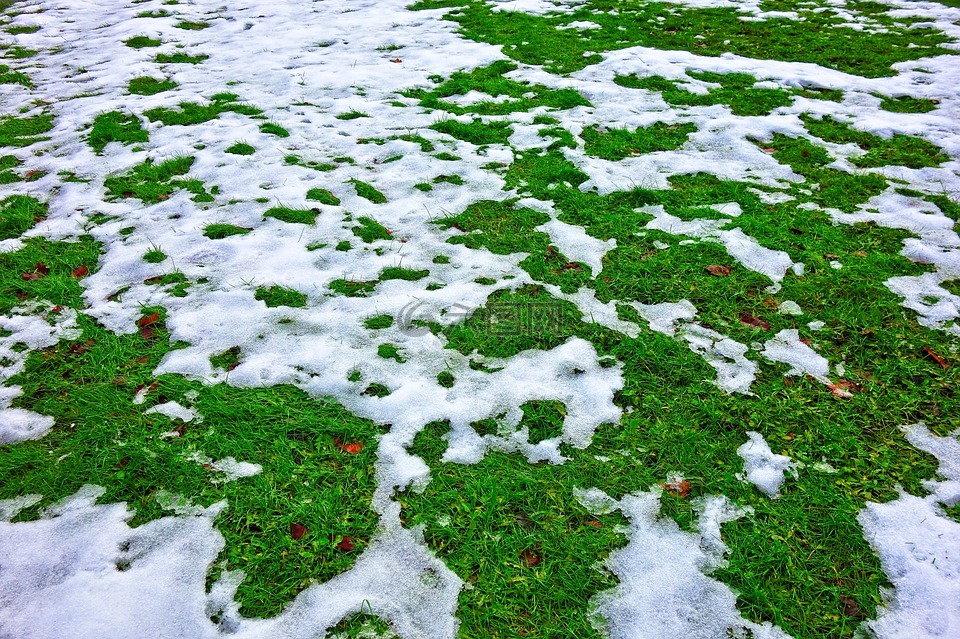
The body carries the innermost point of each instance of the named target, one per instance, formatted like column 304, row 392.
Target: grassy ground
column 509, row 528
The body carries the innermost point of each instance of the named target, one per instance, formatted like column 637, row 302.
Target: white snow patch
column 762, row 467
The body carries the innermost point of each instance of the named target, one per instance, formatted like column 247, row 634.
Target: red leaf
column 939, row 360
column 572, row 266
column 31, row 276
column 750, row 321
column 346, row 544
column 397, row 60
column 56, row 309
column 719, row 271
column 81, row 271
column 529, row 558
column 41, row 268
column 678, row 486
column 147, row 332
column 147, row 320
column 297, row 531
column 353, row 448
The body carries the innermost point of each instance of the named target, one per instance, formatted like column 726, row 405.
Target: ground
column 480, row 318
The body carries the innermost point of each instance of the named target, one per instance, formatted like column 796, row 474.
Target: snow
column 665, row 590
column 80, row 566
column 762, row 467
column 66, row 571
column 919, row 547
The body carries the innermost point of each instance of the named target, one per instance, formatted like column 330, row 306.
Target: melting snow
column 762, row 467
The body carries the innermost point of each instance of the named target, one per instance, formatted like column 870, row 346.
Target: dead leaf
column 346, row 544
column 748, row 320
column 851, row 609
column 680, row 487
column 29, row 276
column 81, row 271
column 572, row 266
column 352, row 448
column 148, row 320
column 78, row 348
column 838, row 390
column 297, row 531
column 718, row 270
column 41, row 268
column 396, row 60
column 530, row 557
column 593, row 523
column 771, row 303
column 939, row 360
column 147, row 332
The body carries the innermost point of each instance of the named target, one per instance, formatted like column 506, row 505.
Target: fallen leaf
column 41, row 268
column 530, row 557
column 147, row 332
column 593, row 523
column 148, row 320
column 81, row 271
column 346, row 544
column 851, row 609
column 838, row 390
column 397, row 60
column 680, row 487
column 771, row 303
column 718, row 270
column 56, row 309
column 572, row 266
column 297, row 531
column 750, row 321
column 939, row 360
column 78, row 348
column 29, row 276
column 352, row 448
column 860, row 253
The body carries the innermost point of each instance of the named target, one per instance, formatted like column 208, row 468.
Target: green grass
column 369, row 230
column 819, row 38
column 271, row 128
column 24, row 131
column 293, row 216
column 902, row 150
column 368, row 191
column 378, row 322
column 491, row 80
column 274, row 296
column 401, row 273
column 154, row 256
column 240, row 148
column 179, row 58
column 736, row 91
column 188, row 113
column 153, row 183
column 352, row 115
column 323, row 196
column 150, row 86
column 141, row 42
column 18, row 214
column 9, row 76
column 192, row 26
column 616, row 144
column 116, row 126
column 907, row 104
column 220, row 231
column 476, row 132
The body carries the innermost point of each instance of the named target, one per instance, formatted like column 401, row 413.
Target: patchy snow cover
column 665, row 590
column 80, row 566
column 919, row 547
column 762, row 467
column 33, row 326
column 787, row 348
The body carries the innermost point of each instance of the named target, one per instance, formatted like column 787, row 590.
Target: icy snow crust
column 302, row 63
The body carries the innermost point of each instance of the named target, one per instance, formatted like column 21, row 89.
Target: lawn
column 480, row 318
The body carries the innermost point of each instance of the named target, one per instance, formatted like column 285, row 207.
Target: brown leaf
column 41, row 268
column 593, row 523
column 78, row 348
column 771, row 303
column 938, row 359
column 718, row 270
column 352, row 448
column 530, row 557
column 297, row 531
column 851, row 609
column 838, row 390
column 148, row 320
column 147, row 332
column 748, row 320
column 679, row 487
column 29, row 276
column 397, row 60
column 81, row 271
column 346, row 544
column 572, row 266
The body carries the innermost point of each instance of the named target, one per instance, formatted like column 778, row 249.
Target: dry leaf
column 750, row 321
column 81, row 271
column 718, row 270
column 297, row 530
column 939, row 360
